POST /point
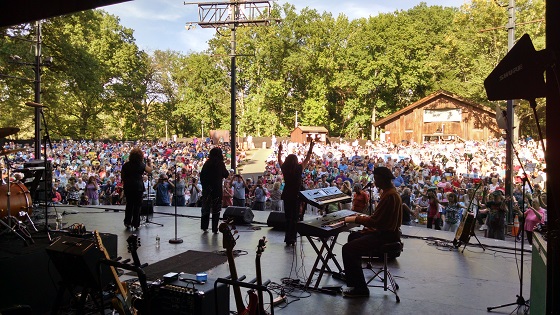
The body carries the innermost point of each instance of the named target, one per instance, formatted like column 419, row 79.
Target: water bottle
column 157, row 241
column 58, row 225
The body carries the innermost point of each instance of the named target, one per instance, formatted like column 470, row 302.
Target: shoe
column 483, row 227
column 204, row 231
column 355, row 292
column 416, row 220
column 290, row 244
column 127, row 226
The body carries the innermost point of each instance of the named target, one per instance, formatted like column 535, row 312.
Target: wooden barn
column 301, row 134
column 441, row 116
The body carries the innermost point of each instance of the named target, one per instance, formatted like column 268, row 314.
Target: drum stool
column 389, row 283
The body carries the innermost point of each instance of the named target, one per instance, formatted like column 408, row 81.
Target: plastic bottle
column 58, row 221
column 157, row 241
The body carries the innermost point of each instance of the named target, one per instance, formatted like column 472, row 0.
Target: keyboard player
column 383, row 226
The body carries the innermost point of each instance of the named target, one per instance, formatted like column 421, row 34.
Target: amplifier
column 188, row 297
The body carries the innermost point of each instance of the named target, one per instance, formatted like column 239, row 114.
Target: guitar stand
column 457, row 243
column 325, row 254
column 239, row 282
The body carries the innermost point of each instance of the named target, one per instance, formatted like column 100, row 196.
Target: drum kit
column 15, row 198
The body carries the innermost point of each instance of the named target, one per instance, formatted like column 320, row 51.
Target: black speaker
column 240, row 215
column 147, row 208
column 76, row 260
column 277, row 220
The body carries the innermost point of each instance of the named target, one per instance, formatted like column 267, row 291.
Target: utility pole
column 37, row 82
column 510, row 111
column 230, row 15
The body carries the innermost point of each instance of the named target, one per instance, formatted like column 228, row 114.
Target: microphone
column 36, row 105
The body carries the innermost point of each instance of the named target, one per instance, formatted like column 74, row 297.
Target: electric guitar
column 229, row 243
column 122, row 302
column 260, row 250
column 133, row 242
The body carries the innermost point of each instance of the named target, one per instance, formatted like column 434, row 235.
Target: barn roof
column 317, row 129
column 423, row 101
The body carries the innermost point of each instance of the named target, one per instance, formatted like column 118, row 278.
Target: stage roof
column 23, row 11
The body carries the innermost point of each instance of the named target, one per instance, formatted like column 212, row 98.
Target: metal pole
column 38, row 110
column 510, row 110
column 553, row 168
column 233, row 93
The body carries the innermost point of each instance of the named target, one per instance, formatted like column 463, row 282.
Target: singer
column 133, row 186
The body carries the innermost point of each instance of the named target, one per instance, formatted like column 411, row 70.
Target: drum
column 20, row 200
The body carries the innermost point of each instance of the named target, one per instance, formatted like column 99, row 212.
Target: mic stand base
column 521, row 302
column 175, row 241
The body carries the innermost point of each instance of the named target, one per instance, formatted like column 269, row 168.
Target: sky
column 160, row 24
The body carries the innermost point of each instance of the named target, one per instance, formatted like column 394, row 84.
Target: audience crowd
column 437, row 181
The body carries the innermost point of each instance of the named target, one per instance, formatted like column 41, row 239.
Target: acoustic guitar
column 122, row 302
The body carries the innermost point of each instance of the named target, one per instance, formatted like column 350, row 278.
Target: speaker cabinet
column 147, row 208
column 277, row 220
column 76, row 260
column 240, row 215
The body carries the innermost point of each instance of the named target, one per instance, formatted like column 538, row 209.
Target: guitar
column 256, row 302
column 466, row 227
column 260, row 250
column 122, row 302
column 133, row 242
column 229, row 243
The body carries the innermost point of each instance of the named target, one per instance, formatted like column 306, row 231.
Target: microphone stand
column 370, row 206
column 520, row 302
column 175, row 240
column 150, row 204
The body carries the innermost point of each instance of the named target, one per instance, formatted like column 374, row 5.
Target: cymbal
column 6, row 152
column 8, row 131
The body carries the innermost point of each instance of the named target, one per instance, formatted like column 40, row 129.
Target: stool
column 385, row 250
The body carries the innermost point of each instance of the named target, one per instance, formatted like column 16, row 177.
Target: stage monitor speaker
column 76, row 260
column 147, row 208
column 240, row 215
column 277, row 220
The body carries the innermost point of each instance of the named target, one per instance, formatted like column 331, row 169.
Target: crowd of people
column 437, row 181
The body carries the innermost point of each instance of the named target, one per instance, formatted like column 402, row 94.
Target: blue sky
column 160, row 24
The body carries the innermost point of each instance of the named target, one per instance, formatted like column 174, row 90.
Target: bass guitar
column 260, row 250
column 122, row 302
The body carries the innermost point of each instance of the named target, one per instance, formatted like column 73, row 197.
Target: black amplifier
column 186, row 296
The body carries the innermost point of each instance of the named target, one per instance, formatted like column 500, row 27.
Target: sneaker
column 416, row 220
column 483, row 227
column 355, row 292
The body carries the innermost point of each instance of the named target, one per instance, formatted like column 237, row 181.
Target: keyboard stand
column 325, row 254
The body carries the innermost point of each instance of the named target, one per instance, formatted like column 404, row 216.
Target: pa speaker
column 240, row 215
column 277, row 220
column 76, row 260
column 147, row 208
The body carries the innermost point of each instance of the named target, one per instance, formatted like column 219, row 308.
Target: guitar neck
column 236, row 290
column 259, row 282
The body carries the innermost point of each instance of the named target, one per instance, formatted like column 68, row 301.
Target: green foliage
column 329, row 71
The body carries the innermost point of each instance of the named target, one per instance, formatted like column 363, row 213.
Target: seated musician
column 382, row 227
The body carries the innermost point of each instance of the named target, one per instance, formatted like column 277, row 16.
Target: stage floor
column 434, row 277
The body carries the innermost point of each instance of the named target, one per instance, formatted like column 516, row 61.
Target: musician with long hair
column 133, row 186
column 292, row 171
column 211, row 176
